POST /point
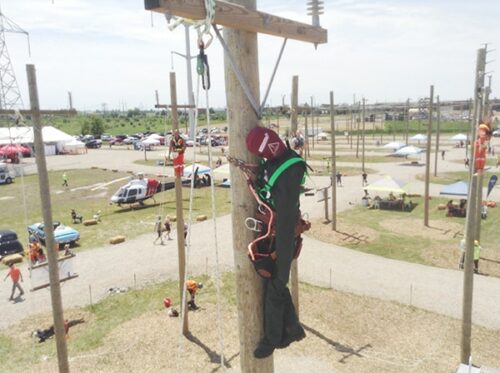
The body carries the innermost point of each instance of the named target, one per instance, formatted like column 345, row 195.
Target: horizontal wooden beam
column 240, row 18
column 71, row 112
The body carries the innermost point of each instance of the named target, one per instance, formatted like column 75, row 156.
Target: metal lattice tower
column 10, row 97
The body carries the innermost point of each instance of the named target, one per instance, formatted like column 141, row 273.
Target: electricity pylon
column 10, row 97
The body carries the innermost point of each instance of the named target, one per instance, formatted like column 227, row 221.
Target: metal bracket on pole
column 258, row 109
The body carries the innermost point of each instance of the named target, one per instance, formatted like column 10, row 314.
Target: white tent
column 419, row 137
column 73, row 147
column 201, row 169
column 322, row 136
column 387, row 184
column 395, row 145
column 150, row 141
column 24, row 135
column 459, row 137
column 222, row 172
column 408, row 150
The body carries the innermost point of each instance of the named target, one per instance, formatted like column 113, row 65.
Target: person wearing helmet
column 192, row 286
column 176, row 151
column 286, row 168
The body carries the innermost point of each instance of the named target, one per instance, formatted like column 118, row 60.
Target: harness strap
column 276, row 174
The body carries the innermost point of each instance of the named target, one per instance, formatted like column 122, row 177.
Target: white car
column 496, row 133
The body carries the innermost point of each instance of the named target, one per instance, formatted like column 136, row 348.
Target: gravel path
column 139, row 261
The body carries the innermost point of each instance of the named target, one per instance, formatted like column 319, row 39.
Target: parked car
column 116, row 141
column 9, row 244
column 6, row 177
column 93, row 144
column 106, row 137
column 496, row 133
column 62, row 234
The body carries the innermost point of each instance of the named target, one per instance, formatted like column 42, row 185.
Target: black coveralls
column 280, row 319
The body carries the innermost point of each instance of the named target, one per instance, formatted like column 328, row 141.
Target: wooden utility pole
column 351, row 125
column 312, row 121
column 306, row 138
column 357, row 130
column 334, row 163
column 294, row 269
column 70, row 99
column 407, row 120
column 294, row 105
column 363, row 138
column 243, row 46
column 428, row 160
column 181, row 247
column 465, row 350
column 437, row 135
column 52, row 254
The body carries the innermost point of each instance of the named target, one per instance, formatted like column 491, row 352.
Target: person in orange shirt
column 192, row 287
column 176, row 151
column 15, row 274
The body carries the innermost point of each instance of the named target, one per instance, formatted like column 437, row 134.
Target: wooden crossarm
column 240, row 18
column 71, row 112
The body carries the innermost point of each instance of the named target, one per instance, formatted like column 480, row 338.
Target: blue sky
column 108, row 51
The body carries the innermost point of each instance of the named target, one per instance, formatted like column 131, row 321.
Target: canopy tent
column 24, row 135
column 222, row 172
column 419, row 137
column 226, row 184
column 395, row 145
column 459, row 137
column 387, row 184
column 201, row 169
column 460, row 188
column 74, row 147
column 150, row 141
column 322, row 136
column 408, row 150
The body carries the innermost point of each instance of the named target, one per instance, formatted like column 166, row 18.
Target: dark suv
column 9, row 243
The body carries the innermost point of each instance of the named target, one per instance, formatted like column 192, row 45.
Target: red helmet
column 167, row 302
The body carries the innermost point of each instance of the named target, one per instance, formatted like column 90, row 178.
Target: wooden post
column 294, row 269
column 243, row 47
column 428, row 160
column 334, row 163
column 312, row 121
column 52, row 254
column 294, row 104
column 465, row 350
column 363, row 138
column 306, row 139
column 351, row 125
column 407, row 120
column 437, row 135
column 357, row 130
column 181, row 247
column 479, row 197
column 70, row 100
column 325, row 197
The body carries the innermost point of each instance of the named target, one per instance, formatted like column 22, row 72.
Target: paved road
column 139, row 261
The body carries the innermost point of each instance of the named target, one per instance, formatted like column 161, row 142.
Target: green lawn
column 450, row 177
column 352, row 158
column 23, row 206
column 397, row 245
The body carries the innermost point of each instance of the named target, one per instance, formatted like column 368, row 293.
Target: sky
column 114, row 53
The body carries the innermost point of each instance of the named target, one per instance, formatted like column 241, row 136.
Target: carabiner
column 252, row 224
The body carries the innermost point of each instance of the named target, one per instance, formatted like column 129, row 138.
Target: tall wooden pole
column 52, row 254
column 357, row 130
column 294, row 104
column 249, row 294
column 312, row 121
column 437, row 135
column 70, row 100
column 294, row 269
column 181, row 247
column 334, row 163
column 363, row 138
column 465, row 350
column 306, row 139
column 428, row 160
column 407, row 120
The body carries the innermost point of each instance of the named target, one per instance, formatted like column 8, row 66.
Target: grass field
column 402, row 235
column 131, row 332
column 87, row 195
column 450, row 177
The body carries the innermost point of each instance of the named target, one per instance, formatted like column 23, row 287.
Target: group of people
column 163, row 229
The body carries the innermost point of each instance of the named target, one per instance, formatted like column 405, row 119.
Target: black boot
column 294, row 335
column 263, row 350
